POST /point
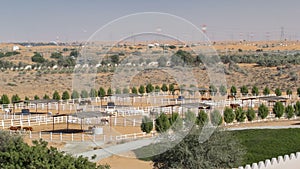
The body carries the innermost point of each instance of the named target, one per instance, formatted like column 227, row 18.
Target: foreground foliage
column 14, row 153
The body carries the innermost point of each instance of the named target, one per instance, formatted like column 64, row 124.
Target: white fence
column 291, row 161
column 81, row 137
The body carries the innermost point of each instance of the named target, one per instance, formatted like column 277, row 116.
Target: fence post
column 21, row 124
column 115, row 121
column 40, row 134
column 133, row 122
column 51, row 136
column 134, row 135
column 30, row 134
column 11, row 122
column 60, row 136
column 124, row 121
column 82, row 137
column 28, row 121
column 72, row 136
column 2, row 124
column 94, row 137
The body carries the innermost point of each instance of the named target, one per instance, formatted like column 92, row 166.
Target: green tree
column 36, row 97
column 266, row 91
column 289, row 92
column 212, row 90
column 15, row 98
column 278, row 92
column 176, row 122
column 157, row 88
column 190, row 118
column 254, row 91
column 118, row 91
column 56, row 95
column 5, row 99
column 220, row 150
column 74, row 95
column 134, row 90
column 115, row 59
column 149, row 88
column 147, row 124
column 38, row 58
column 56, row 55
column 109, row 91
column 202, row 118
column 84, row 94
column 244, row 90
column 14, row 153
column 263, row 111
column 240, row 114
column 250, row 114
column 26, row 98
column 93, row 92
column 278, row 109
column 223, row 90
column 101, row 92
column 216, row 118
column 297, row 108
column 233, row 90
column 289, row 111
column 125, row 90
column 142, row 89
column 46, row 97
column 162, row 123
column 164, row 88
column 171, row 88
column 65, row 95
column 229, row 115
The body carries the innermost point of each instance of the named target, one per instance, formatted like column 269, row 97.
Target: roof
column 89, row 114
column 41, row 101
column 273, row 98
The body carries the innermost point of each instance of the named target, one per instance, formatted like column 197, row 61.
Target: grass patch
column 267, row 143
column 259, row 144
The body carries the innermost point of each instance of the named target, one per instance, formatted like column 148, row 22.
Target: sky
column 77, row 20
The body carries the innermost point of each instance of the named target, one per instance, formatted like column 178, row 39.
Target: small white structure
column 15, row 48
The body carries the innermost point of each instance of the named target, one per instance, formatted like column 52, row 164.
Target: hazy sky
column 47, row 20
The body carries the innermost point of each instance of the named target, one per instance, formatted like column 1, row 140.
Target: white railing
column 291, row 161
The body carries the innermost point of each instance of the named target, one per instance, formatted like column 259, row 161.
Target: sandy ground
column 127, row 162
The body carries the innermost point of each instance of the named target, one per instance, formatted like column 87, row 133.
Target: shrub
column 233, row 90
column 229, row 115
column 244, row 90
column 250, row 114
column 289, row 111
column 278, row 92
column 162, row 123
column 147, row 124
column 254, row 91
column 240, row 115
column 263, row 111
column 202, row 118
column 216, row 118
column 266, row 91
column 278, row 109
column 297, row 108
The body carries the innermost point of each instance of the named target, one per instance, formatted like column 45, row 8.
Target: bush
column 244, row 90
column 216, row 118
column 266, row 91
column 289, row 92
column 212, row 90
column 38, row 58
column 142, row 89
column 134, row 90
column 162, row 123
column 202, row 118
column 298, row 92
column 263, row 111
column 233, row 90
column 149, row 88
column 84, row 94
column 164, row 88
column 223, row 90
column 147, row 124
column 250, row 114
column 5, row 99
column 254, row 91
column 229, row 115
column 289, row 111
column 101, row 92
column 297, row 108
column 240, row 115
column 15, row 98
column 74, row 95
column 56, row 95
column 176, row 122
column 65, row 95
column 278, row 109
column 278, row 92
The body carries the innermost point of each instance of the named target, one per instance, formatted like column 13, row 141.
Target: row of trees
column 165, row 122
column 15, row 153
column 263, row 111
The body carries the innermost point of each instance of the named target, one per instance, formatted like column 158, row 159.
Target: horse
column 15, row 128
column 28, row 128
column 104, row 121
